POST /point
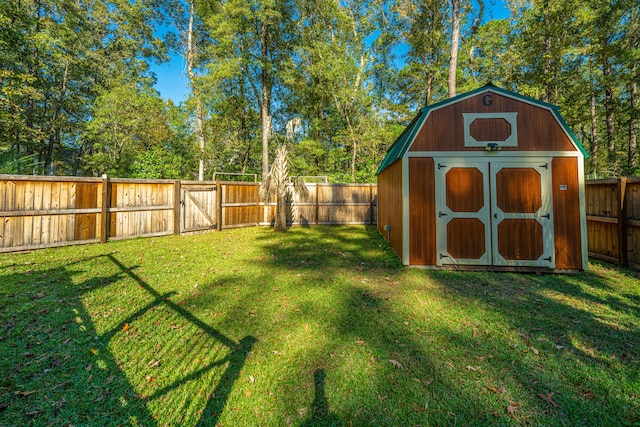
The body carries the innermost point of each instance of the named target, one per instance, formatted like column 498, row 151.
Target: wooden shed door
column 494, row 212
column 522, row 214
column 463, row 219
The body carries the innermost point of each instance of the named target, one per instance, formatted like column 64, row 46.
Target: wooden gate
column 198, row 211
column 494, row 212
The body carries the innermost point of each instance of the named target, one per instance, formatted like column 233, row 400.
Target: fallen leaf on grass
column 535, row 351
column 360, row 342
column 497, row 390
column 471, row 368
column 251, row 379
column 24, row 393
column 396, row 363
column 154, row 363
column 125, row 328
column 419, row 408
column 150, row 379
column 512, row 407
column 548, row 397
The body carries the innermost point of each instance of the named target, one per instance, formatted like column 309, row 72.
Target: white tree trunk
column 455, row 40
column 191, row 59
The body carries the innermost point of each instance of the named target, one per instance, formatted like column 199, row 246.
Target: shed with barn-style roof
column 489, row 179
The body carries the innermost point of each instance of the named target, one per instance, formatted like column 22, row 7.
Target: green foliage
column 75, row 97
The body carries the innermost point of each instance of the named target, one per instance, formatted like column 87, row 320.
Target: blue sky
column 172, row 81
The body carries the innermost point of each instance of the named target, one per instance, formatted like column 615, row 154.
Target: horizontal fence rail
column 41, row 212
column 613, row 220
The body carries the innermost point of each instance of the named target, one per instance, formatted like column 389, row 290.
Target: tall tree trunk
column 265, row 101
column 633, row 122
column 594, row 133
column 546, row 71
column 427, row 100
column 608, row 111
column 455, row 39
column 354, row 149
column 191, row 59
column 54, row 130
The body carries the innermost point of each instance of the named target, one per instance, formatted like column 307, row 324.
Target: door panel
column 522, row 222
column 463, row 217
column 496, row 212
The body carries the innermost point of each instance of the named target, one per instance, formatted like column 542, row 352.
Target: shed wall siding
column 566, row 213
column 537, row 128
column 390, row 204
column 422, row 212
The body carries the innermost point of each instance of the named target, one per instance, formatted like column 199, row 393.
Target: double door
column 496, row 212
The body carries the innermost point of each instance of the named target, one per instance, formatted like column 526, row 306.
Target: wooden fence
column 41, row 212
column 613, row 220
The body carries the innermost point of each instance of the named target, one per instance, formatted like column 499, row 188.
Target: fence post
column 623, row 258
column 104, row 215
column 218, row 206
column 317, row 205
column 370, row 204
column 177, row 185
column 257, row 203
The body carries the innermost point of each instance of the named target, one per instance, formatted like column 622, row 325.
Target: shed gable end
column 451, row 127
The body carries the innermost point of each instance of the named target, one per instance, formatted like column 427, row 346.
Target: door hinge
column 547, row 259
column 443, row 256
column 548, row 216
column 545, row 166
column 440, row 214
column 440, row 166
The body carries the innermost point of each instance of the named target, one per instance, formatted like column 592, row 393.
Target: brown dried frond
column 300, row 189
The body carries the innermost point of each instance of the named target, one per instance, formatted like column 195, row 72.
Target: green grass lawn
column 316, row 326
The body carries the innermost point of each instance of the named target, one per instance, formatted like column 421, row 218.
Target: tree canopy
column 77, row 95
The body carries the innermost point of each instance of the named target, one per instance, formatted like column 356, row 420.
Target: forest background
column 337, row 80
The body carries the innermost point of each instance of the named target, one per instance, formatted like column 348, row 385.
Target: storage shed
column 488, row 180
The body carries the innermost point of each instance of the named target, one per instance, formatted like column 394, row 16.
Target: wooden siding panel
column 538, row 130
column 566, row 213
column 633, row 222
column 390, row 204
column 422, row 212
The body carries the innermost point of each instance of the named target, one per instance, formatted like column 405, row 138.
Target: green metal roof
column 402, row 143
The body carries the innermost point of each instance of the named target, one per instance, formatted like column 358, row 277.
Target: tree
column 275, row 186
column 126, row 123
column 253, row 41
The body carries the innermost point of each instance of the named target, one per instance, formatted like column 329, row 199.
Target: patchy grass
column 317, row 326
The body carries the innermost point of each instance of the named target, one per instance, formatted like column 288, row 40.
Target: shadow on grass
column 60, row 369
column 320, row 413
column 572, row 344
column 514, row 348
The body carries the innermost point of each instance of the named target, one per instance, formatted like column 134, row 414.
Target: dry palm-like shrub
column 275, row 187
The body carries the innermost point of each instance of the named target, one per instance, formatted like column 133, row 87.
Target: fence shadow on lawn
column 45, row 343
column 97, row 378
